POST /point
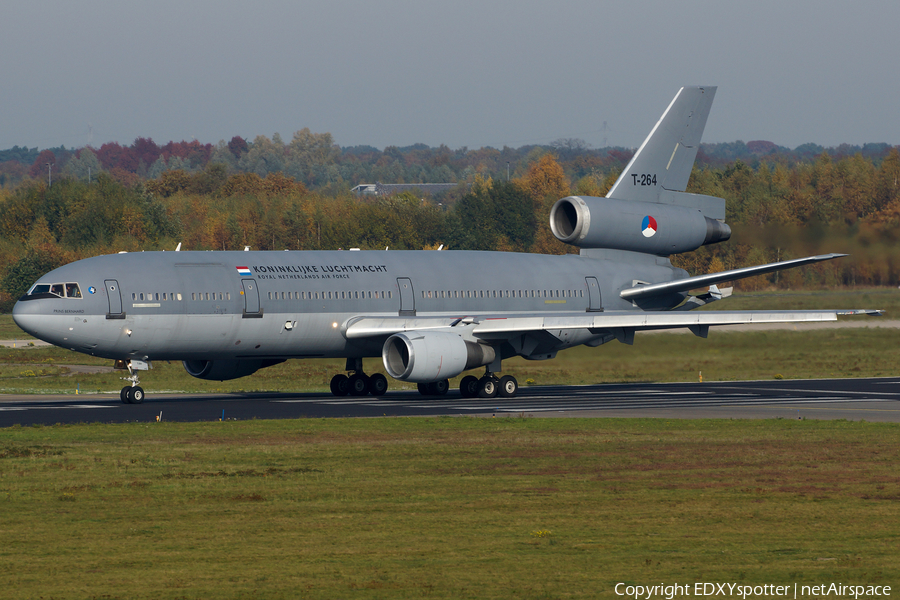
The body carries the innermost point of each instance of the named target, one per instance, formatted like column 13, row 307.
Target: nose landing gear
column 134, row 393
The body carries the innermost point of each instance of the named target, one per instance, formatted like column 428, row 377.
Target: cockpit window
column 61, row 290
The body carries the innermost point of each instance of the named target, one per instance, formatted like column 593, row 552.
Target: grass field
column 443, row 507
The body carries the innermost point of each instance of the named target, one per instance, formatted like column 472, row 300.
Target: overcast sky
column 462, row 73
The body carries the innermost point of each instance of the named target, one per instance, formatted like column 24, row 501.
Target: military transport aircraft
column 429, row 315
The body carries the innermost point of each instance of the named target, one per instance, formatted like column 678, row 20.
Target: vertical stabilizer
column 665, row 159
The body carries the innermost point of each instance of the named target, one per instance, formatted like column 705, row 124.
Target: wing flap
column 647, row 321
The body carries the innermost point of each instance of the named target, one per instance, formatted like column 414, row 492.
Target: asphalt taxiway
column 875, row 399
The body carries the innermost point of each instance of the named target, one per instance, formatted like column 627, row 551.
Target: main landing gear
column 489, row 386
column 134, row 393
column 358, row 383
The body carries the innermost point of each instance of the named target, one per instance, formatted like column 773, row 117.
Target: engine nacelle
column 424, row 357
column 223, row 370
column 647, row 227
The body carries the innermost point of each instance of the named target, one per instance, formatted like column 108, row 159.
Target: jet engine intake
column 425, row 357
column 647, row 227
column 223, row 370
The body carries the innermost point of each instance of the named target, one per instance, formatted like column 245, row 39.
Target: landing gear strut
column 358, row 383
column 134, row 393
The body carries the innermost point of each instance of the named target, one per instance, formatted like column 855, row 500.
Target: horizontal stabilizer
column 692, row 283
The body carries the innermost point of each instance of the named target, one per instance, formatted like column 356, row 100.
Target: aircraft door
column 115, row 299
column 593, row 287
column 407, row 297
column 251, row 299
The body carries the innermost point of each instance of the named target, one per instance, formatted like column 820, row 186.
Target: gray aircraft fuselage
column 278, row 305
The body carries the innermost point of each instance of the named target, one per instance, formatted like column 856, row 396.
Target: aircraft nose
column 27, row 318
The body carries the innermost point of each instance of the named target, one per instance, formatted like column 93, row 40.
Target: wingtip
column 877, row 312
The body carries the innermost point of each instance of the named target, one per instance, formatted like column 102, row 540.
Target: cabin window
column 179, row 297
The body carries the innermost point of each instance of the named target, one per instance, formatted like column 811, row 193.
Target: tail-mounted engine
column 647, row 227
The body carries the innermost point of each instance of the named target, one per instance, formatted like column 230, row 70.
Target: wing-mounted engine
column 425, row 357
column 646, row 227
column 224, row 370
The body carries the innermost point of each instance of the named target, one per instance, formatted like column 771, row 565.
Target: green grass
column 442, row 507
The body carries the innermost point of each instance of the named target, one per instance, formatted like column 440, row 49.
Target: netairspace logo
column 737, row 590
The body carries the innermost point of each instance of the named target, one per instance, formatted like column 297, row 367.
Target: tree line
column 777, row 210
column 317, row 161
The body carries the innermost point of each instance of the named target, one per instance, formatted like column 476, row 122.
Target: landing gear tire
column 468, row 387
column 378, row 384
column 488, row 387
column 358, row 385
column 123, row 395
column 340, row 385
column 508, row 386
column 135, row 394
column 435, row 388
column 439, row 388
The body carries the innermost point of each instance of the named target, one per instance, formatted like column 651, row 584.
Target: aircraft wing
column 692, row 283
column 621, row 324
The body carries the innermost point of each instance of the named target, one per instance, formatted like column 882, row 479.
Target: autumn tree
column 545, row 183
column 493, row 216
column 39, row 167
column 84, row 165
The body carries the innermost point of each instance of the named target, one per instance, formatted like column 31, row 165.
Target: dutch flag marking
column 648, row 227
column 244, row 271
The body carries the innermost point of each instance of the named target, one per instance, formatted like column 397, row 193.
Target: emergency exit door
column 407, row 297
column 251, row 299
column 594, row 303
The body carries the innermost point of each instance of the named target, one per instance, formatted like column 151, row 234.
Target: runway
column 852, row 399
